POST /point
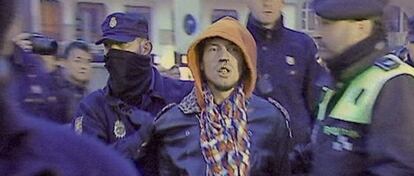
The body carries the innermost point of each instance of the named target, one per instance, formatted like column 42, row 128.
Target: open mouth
column 268, row 12
column 224, row 71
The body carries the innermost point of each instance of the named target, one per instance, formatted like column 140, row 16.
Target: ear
column 146, row 47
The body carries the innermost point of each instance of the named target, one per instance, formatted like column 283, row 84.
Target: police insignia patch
column 119, row 129
column 113, row 22
column 78, row 124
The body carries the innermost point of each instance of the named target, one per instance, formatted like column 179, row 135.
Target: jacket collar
column 156, row 90
column 261, row 33
column 189, row 104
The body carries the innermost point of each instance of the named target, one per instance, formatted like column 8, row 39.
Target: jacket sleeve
column 166, row 166
column 133, row 146
column 87, row 121
column 313, row 71
column 165, row 163
column 391, row 139
column 282, row 164
column 91, row 122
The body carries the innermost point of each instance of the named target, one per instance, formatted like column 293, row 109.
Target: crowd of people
column 261, row 102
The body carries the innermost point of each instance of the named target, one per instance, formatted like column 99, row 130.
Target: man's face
column 78, row 65
column 222, row 64
column 336, row 37
column 266, row 12
column 139, row 46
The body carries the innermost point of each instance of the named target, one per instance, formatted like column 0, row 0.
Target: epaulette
column 164, row 109
column 388, row 62
column 285, row 114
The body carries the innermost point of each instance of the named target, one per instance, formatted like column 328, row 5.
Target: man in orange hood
column 221, row 128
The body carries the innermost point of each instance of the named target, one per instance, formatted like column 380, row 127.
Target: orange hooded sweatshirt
column 229, row 29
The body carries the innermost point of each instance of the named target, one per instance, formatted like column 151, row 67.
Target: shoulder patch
column 387, row 62
column 164, row 109
column 285, row 114
column 78, row 124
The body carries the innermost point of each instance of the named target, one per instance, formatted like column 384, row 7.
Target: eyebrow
column 227, row 45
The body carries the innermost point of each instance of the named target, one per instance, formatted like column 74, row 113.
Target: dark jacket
column 179, row 132
column 36, row 147
column 385, row 146
column 99, row 113
column 287, row 68
column 178, row 129
column 35, row 90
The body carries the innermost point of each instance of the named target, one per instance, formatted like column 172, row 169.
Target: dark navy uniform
column 365, row 119
column 127, row 128
column 287, row 70
column 122, row 113
column 35, row 147
column 35, row 90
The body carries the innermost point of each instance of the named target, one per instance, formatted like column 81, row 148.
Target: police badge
column 119, row 129
column 113, row 22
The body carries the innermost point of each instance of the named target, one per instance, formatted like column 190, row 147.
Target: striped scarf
column 224, row 140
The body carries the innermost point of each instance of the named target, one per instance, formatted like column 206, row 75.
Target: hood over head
column 229, row 29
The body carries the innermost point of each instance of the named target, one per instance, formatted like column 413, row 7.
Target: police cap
column 123, row 27
column 348, row 9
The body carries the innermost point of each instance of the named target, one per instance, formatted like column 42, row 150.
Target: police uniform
column 287, row 70
column 365, row 118
column 32, row 146
column 128, row 127
column 35, row 89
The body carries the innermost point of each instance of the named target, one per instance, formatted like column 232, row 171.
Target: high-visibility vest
column 357, row 102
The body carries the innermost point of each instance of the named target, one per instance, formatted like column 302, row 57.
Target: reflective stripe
column 359, row 98
column 324, row 104
column 357, row 102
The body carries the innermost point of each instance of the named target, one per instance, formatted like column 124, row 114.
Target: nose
column 225, row 56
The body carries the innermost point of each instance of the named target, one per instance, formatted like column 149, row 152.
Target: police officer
column 365, row 120
column 121, row 114
column 287, row 68
column 30, row 146
column 35, row 75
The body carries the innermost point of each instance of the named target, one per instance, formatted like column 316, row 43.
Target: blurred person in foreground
column 122, row 113
column 287, row 70
column 221, row 128
column 35, row 76
column 31, row 146
column 365, row 120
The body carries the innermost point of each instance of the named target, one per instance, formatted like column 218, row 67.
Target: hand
column 23, row 41
column 144, row 120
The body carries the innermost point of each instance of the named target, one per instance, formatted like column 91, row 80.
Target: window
column 89, row 17
column 395, row 19
column 395, row 22
column 309, row 20
column 220, row 13
column 51, row 17
column 141, row 11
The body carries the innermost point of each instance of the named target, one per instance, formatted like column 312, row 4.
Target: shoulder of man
column 164, row 110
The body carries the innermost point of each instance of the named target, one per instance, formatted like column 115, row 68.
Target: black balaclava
column 130, row 75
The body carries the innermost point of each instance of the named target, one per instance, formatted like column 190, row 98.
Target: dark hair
column 76, row 45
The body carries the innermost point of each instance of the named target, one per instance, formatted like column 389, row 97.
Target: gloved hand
column 143, row 121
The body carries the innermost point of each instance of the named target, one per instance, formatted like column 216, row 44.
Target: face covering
column 129, row 75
